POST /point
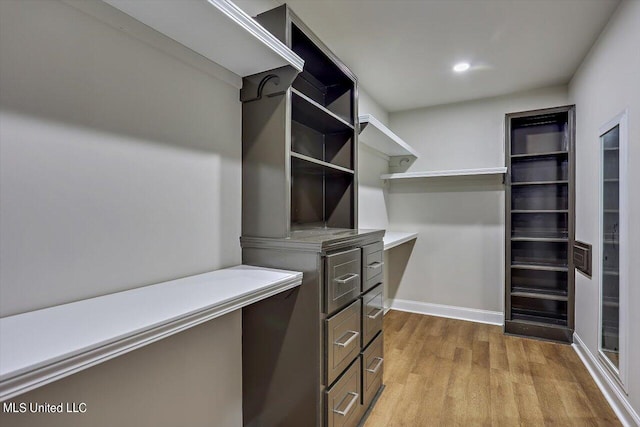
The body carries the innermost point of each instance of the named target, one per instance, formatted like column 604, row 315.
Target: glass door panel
column 610, row 301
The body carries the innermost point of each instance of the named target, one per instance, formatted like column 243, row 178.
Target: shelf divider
column 321, row 163
column 539, row 295
column 519, row 211
column 539, row 267
column 540, row 239
column 539, row 183
column 544, row 154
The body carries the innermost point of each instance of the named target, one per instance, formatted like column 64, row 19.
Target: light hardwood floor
column 454, row 373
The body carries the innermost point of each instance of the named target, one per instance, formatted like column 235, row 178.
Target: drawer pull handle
column 375, row 316
column 346, row 278
column 354, row 335
column 374, row 370
column 376, row 264
column 354, row 399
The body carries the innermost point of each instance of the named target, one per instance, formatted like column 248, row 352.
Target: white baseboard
column 452, row 312
column 387, row 305
column 607, row 385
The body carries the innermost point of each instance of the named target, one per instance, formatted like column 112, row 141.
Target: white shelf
column 392, row 239
column 42, row 346
column 445, row 173
column 376, row 135
column 216, row 29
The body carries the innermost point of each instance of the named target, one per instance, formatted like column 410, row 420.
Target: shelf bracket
column 400, row 164
column 269, row 83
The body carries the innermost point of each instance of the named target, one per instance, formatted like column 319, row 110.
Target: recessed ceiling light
column 461, row 67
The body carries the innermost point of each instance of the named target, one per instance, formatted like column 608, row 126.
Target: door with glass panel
column 613, row 248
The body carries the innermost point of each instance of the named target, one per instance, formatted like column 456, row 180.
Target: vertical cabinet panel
column 540, row 195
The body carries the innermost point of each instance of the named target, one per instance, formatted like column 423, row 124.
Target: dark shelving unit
column 540, row 200
column 299, row 142
column 312, row 356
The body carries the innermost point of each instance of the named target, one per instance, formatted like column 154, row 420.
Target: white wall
column 606, row 83
column 120, row 167
column 368, row 105
column 458, row 258
column 373, row 197
column 372, row 209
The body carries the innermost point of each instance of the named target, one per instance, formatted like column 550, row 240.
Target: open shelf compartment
column 552, row 254
column 322, row 80
column 540, row 133
column 321, row 196
column 540, row 168
column 539, row 225
column 308, row 112
column 539, row 310
column 540, row 197
column 539, row 282
column 335, row 148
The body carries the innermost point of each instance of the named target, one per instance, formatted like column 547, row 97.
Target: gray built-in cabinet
column 299, row 146
column 540, row 218
column 312, row 356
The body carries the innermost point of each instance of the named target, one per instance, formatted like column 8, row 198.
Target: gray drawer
column 372, row 369
column 372, row 263
column 343, row 399
column 343, row 340
column 343, row 278
column 372, row 313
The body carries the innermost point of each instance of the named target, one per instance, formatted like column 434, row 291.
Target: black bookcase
column 540, row 218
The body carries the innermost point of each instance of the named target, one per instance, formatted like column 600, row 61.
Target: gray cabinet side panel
column 265, row 167
column 275, row 20
column 281, row 346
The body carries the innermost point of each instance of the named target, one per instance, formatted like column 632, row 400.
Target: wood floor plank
column 533, row 350
column 574, row 400
column 409, row 403
column 498, row 352
column 478, row 397
column 444, row 372
column 518, row 363
column 528, row 404
column 503, row 406
column 480, row 354
column 435, row 391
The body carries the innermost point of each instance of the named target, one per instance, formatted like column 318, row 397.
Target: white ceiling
column 402, row 50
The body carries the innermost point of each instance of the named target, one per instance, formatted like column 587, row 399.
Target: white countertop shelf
column 392, row 239
column 375, row 134
column 216, row 29
column 42, row 346
column 446, row 173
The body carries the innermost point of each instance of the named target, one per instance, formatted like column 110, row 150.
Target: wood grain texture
column 445, row 372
